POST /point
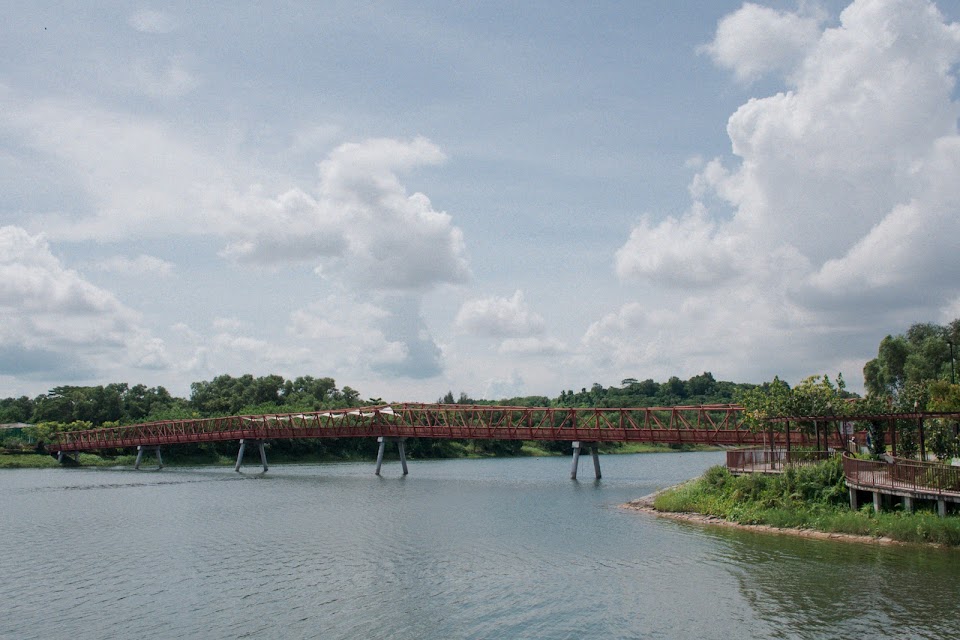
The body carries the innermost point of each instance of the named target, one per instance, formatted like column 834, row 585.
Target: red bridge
column 706, row 424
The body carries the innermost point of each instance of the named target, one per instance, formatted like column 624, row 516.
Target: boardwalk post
column 263, row 455
column 64, row 458
column 243, row 445
column 403, row 454
column 876, row 501
column 401, row 448
column 141, row 448
column 853, row 499
column 941, row 507
column 577, row 447
column 383, row 444
column 576, row 460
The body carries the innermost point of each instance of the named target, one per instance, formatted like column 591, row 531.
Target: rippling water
column 505, row 548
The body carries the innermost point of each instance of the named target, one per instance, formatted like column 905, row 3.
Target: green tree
column 922, row 353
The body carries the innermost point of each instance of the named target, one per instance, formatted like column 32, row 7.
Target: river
column 494, row 548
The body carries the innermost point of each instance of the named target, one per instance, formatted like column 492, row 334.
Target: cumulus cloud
column 56, row 322
column 388, row 335
column 358, row 227
column 756, row 40
column 499, row 317
column 360, row 224
column 521, row 331
column 685, row 251
column 142, row 180
column 841, row 212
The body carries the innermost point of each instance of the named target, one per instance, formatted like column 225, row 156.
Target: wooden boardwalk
column 908, row 480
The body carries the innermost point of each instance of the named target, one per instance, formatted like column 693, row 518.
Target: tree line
column 912, row 372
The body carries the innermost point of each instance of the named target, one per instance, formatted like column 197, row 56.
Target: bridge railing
column 902, row 474
column 335, row 423
column 701, row 424
column 749, row 460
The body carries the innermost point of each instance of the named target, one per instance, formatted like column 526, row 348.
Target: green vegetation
column 806, row 498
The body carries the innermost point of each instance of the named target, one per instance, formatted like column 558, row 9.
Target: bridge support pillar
column 243, row 446
column 907, row 504
column 877, row 499
column 140, row 449
column 941, row 507
column 854, row 504
column 577, row 445
column 401, row 448
column 63, row 457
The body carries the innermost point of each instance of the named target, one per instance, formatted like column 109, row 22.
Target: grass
column 30, row 460
column 45, row 461
column 808, row 498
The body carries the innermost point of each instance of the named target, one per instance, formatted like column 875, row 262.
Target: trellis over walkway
column 908, row 480
column 891, row 419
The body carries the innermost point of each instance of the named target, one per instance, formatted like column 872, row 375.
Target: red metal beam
column 707, row 424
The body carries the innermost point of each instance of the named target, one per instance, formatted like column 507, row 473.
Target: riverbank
column 806, row 502
column 646, row 505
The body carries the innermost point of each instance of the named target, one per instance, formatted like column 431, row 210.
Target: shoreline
column 645, row 505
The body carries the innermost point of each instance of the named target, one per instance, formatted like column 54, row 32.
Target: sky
column 494, row 198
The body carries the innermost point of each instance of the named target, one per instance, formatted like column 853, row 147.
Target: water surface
column 506, row 548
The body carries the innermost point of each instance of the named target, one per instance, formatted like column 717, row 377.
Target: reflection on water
column 458, row 549
column 840, row 589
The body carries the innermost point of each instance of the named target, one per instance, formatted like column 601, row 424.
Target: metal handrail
column 746, row 460
column 902, row 474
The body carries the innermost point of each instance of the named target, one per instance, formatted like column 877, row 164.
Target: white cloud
column 755, row 40
column 138, row 266
column 841, row 216
column 687, row 251
column 388, row 335
column 134, row 177
column 499, row 317
column 144, row 180
column 361, row 224
column 57, row 323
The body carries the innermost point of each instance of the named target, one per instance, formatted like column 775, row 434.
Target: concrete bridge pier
column 140, row 449
column 243, row 446
column 383, row 440
column 577, row 445
column 63, row 457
